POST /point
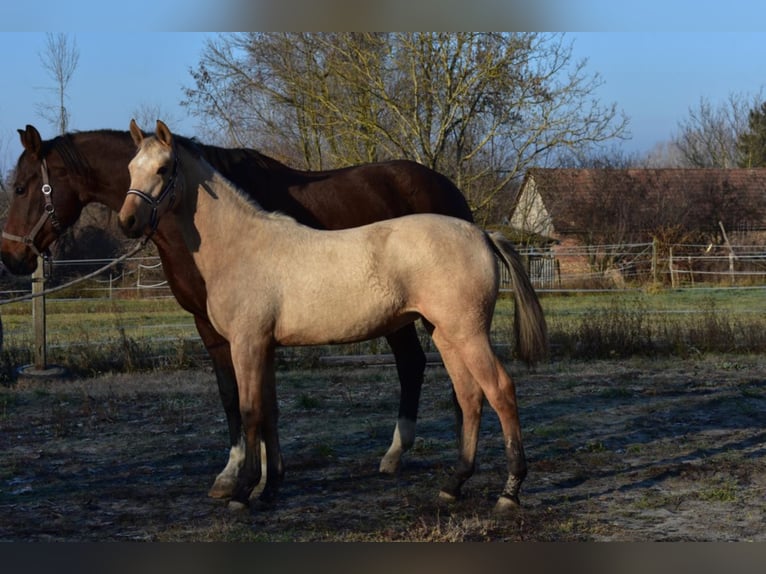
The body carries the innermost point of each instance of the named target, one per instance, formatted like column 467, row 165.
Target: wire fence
column 112, row 294
column 135, row 277
column 619, row 266
column 559, row 268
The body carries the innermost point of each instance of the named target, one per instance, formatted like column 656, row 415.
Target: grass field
column 91, row 336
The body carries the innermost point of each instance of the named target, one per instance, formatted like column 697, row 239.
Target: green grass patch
column 724, row 492
column 93, row 336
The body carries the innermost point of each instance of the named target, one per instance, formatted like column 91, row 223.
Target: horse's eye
column 20, row 190
column 163, row 170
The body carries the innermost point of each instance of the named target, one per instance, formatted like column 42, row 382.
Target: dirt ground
column 632, row 450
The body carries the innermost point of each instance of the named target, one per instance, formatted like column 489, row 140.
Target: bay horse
column 320, row 287
column 55, row 179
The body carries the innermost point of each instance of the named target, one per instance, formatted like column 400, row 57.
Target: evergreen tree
column 752, row 143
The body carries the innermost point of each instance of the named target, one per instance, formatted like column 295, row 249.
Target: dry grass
column 632, row 449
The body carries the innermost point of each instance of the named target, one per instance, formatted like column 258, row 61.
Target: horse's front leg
column 410, row 366
column 270, row 440
column 254, row 367
column 220, row 354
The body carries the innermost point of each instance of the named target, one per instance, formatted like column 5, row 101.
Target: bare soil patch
column 618, row 450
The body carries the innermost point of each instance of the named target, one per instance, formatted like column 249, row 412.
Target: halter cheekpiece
column 49, row 211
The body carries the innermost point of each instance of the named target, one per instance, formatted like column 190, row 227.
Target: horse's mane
column 223, row 155
column 73, row 160
column 245, row 201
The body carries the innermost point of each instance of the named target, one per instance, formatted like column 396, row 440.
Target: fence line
column 615, row 266
column 600, row 268
column 618, row 266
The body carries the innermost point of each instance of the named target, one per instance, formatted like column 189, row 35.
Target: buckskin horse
column 319, row 287
column 54, row 180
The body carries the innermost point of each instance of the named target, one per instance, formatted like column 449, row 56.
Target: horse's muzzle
column 130, row 226
column 21, row 261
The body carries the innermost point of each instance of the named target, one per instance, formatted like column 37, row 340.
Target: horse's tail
column 529, row 327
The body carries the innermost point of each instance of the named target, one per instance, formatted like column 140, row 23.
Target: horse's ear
column 31, row 140
column 163, row 134
column 136, row 133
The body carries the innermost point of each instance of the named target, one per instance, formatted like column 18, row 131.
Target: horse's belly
column 327, row 324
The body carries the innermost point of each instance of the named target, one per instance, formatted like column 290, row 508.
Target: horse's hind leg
column 410, row 366
column 469, row 397
column 500, row 391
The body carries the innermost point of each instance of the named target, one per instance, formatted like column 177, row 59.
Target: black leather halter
column 168, row 191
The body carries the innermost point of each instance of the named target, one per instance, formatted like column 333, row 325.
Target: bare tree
column 708, row 137
column 5, row 175
column 146, row 115
column 479, row 107
column 4, row 169
column 60, row 59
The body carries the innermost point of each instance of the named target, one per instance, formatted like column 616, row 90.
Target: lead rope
column 135, row 249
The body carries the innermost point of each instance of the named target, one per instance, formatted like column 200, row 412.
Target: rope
column 136, row 248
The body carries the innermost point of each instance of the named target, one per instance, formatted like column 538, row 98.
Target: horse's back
column 446, row 270
column 346, row 197
column 346, row 285
column 436, row 256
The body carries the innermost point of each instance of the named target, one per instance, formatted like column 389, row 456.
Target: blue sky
column 117, row 75
column 654, row 77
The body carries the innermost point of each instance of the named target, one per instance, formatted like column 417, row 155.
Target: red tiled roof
column 570, row 195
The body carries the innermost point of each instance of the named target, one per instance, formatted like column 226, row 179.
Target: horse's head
column 153, row 172
column 45, row 200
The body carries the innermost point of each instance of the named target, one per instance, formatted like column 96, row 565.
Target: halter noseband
column 168, row 190
column 49, row 211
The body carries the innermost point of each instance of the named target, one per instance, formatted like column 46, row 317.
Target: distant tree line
column 727, row 135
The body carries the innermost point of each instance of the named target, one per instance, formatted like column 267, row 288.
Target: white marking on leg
column 224, row 484
column 262, row 483
column 235, row 462
column 404, row 438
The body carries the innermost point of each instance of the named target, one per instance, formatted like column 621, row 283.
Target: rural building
column 578, row 209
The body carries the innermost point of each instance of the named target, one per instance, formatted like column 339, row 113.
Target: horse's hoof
column 506, row 506
column 222, row 488
column 390, row 466
column 445, row 496
column 237, row 506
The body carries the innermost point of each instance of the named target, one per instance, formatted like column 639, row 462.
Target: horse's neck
column 213, row 213
column 108, row 163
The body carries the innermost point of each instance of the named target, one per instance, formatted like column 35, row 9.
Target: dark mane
column 191, row 144
column 200, row 151
column 227, row 157
column 73, row 160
